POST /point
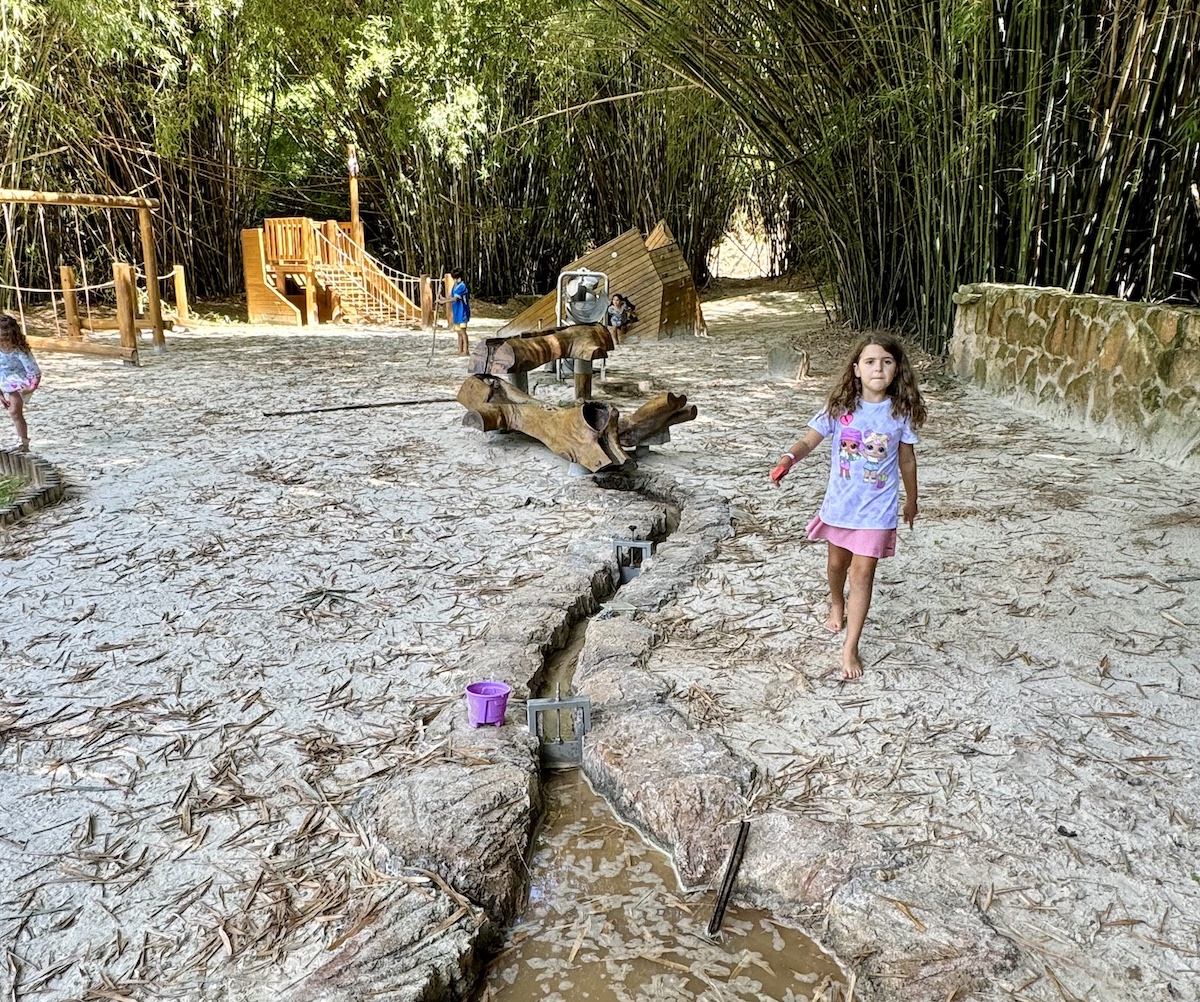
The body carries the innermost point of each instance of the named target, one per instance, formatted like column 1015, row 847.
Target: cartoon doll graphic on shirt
column 875, row 450
column 849, row 451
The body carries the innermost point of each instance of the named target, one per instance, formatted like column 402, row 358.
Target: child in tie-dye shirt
column 19, row 376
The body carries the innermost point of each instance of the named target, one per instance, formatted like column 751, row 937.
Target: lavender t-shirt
column 864, row 482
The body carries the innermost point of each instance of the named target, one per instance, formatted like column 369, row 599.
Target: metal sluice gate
column 560, row 745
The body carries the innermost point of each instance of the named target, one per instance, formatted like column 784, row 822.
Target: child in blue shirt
column 460, row 306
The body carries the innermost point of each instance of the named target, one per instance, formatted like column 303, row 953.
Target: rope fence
column 58, row 291
column 136, row 288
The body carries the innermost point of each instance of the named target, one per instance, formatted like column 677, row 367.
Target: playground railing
column 288, row 241
column 387, row 292
column 387, row 281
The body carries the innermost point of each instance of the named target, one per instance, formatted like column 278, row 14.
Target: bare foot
column 837, row 615
column 851, row 666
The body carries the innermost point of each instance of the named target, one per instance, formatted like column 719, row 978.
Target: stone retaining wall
column 45, row 486
column 1129, row 370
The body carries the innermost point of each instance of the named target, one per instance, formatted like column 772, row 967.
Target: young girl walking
column 19, row 376
column 871, row 416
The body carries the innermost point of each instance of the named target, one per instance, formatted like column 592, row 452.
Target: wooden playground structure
column 300, row 271
column 124, row 284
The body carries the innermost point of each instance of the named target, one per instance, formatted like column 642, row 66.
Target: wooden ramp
column 651, row 272
column 264, row 302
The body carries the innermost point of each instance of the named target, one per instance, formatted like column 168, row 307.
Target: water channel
column 606, row 921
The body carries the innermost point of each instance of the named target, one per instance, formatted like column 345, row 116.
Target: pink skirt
column 864, row 542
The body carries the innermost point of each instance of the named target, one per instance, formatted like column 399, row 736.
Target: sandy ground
column 232, row 626
column 235, row 623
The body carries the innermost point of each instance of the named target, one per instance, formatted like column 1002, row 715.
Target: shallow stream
column 606, row 921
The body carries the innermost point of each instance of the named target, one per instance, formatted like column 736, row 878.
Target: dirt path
column 236, row 624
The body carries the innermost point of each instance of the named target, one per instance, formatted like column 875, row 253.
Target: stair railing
column 386, row 292
column 388, row 281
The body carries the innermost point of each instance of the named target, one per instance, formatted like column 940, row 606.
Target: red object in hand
column 780, row 471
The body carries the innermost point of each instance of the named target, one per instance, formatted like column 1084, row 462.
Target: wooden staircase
column 302, row 271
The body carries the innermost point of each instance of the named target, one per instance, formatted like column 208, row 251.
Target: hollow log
column 585, row 433
column 654, row 418
column 505, row 356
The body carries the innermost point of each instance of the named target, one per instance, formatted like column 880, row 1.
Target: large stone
column 793, row 859
column 540, row 625
column 419, row 943
column 1165, row 324
column 574, row 590
column 783, row 361
column 469, row 819
column 1077, row 394
column 1113, row 349
column 684, row 788
column 609, row 669
column 514, row 663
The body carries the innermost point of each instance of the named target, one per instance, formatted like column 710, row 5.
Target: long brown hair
column 11, row 331
column 905, row 394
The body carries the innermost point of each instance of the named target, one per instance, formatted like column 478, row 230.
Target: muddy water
column 606, row 921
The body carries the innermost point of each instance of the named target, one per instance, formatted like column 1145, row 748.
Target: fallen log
column 514, row 355
column 585, row 433
column 654, row 418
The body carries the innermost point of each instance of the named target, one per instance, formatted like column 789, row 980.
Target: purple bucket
column 486, row 702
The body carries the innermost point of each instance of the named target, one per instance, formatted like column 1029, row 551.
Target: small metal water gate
column 564, row 748
column 630, row 555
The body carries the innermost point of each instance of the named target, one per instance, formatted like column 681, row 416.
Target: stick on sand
column 362, row 407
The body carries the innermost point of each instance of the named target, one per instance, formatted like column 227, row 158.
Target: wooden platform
column 299, row 272
column 650, row 272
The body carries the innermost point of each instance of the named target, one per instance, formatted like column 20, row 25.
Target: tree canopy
column 965, row 140
column 906, row 147
column 502, row 135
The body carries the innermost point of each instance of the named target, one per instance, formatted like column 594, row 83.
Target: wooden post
column 447, row 285
column 330, row 229
column 426, row 303
column 583, row 378
column 309, row 253
column 70, row 301
column 181, row 302
column 150, row 264
column 356, row 226
column 329, row 306
column 125, row 281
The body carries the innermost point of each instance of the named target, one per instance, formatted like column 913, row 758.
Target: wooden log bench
column 514, row 357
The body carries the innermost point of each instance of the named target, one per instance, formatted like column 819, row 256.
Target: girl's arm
column 799, row 449
column 32, row 370
column 908, row 473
